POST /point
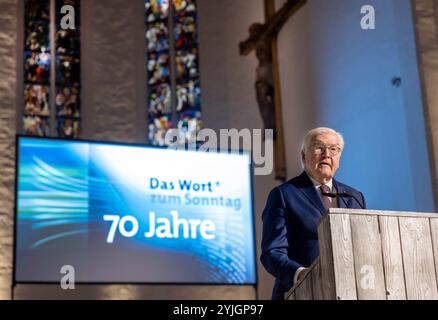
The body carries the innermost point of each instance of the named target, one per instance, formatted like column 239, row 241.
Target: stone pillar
column 426, row 26
column 114, row 70
column 8, row 92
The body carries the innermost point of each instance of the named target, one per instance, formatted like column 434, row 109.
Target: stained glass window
column 68, row 107
column 41, row 116
column 36, row 114
column 174, row 91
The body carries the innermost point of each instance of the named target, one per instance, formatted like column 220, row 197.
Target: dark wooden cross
column 263, row 39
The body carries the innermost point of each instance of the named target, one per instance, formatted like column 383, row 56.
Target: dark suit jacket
column 290, row 220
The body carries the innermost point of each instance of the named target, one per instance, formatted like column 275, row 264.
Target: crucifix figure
column 262, row 39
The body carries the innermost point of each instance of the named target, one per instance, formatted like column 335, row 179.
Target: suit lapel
column 308, row 189
column 342, row 202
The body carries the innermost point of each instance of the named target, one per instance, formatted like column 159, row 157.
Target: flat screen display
column 132, row 214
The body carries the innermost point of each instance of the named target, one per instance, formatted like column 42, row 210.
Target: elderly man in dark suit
column 293, row 210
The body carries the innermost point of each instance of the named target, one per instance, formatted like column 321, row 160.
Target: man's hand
column 302, row 274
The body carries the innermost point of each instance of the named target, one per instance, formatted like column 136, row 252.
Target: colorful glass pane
column 188, row 96
column 67, row 42
column 156, row 10
column 67, row 102
column 36, row 100
column 190, row 123
column 37, row 67
column 35, row 10
column 157, row 36
column 158, row 67
column 185, row 31
column 36, row 126
column 158, row 127
column 68, row 71
column 37, row 36
column 187, row 63
column 68, row 128
column 160, row 100
column 183, row 7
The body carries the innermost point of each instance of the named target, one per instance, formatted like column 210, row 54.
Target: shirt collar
column 316, row 184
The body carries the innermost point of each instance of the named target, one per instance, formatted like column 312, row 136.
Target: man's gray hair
column 318, row 131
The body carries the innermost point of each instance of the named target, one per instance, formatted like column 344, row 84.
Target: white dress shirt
column 318, row 185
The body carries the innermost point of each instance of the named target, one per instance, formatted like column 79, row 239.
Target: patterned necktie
column 325, row 200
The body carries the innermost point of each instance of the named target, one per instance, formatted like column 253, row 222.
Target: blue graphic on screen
column 128, row 214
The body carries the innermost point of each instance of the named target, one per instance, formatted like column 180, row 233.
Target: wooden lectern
column 366, row 254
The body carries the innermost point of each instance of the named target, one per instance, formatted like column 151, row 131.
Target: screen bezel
column 127, row 144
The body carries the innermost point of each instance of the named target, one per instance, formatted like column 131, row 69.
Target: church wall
column 426, row 26
column 336, row 74
column 8, row 87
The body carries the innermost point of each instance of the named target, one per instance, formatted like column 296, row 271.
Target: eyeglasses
column 320, row 149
